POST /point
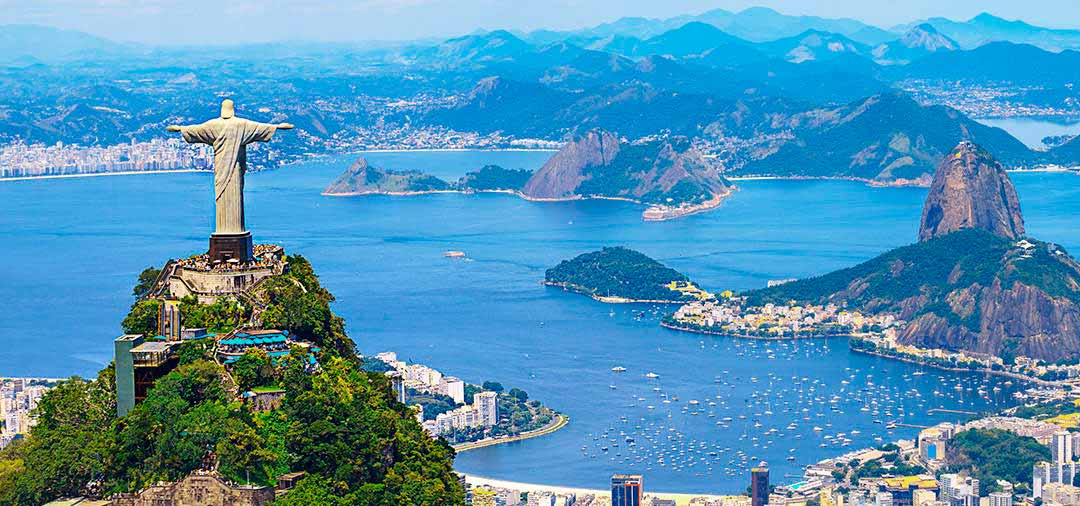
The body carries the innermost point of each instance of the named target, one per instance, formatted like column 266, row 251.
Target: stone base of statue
column 226, row 247
column 209, row 281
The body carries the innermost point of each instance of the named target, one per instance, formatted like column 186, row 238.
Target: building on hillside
column 397, row 384
column 627, row 490
column 1061, row 449
column 201, row 488
column 454, row 388
column 923, row 497
column 1000, row 499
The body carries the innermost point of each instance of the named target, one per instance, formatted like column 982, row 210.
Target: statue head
column 227, row 109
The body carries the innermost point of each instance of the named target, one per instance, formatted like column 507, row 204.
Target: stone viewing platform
column 207, row 280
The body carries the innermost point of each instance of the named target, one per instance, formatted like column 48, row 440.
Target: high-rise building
column 397, row 382
column 922, row 497
column 1061, row 448
column 759, row 485
column 1000, row 499
column 627, row 490
column 488, row 406
column 883, row 499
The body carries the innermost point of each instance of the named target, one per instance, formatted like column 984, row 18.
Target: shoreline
column 653, row 213
column 102, row 174
column 1006, row 374
column 738, row 336
column 559, row 422
column 606, row 299
column 899, row 183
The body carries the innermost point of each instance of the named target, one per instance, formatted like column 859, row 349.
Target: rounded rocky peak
column 971, row 190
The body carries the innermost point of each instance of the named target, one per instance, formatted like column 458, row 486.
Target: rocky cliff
column 663, row 172
column 971, row 190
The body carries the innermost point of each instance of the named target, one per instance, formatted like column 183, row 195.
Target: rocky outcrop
column 663, row 172
column 560, row 177
column 971, row 190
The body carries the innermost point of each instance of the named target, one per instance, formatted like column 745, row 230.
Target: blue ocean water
column 73, row 247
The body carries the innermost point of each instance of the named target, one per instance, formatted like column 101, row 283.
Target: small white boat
column 618, row 368
column 652, row 375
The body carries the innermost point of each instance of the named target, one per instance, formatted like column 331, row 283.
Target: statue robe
column 229, row 137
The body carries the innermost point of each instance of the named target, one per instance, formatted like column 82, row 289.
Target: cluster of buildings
column 986, row 101
column 730, row 316
column 483, row 412
column 32, row 160
column 18, row 398
column 624, row 490
column 1051, row 481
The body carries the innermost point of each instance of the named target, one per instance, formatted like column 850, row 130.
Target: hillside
column 886, row 138
column 666, row 172
column 970, row 285
column 339, row 424
column 617, row 274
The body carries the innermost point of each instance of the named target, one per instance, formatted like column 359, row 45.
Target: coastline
column 478, row 481
column 102, row 174
column 559, row 422
column 652, row 213
column 738, row 336
column 1006, row 374
column 898, row 183
column 609, row 299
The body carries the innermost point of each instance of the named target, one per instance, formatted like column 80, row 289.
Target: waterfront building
column 540, row 499
column 931, row 444
column 627, row 490
column 759, row 485
column 488, row 406
column 1061, row 448
column 1000, row 499
column 903, row 488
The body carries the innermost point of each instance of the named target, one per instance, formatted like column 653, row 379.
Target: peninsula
column 973, row 293
column 622, row 275
column 667, row 174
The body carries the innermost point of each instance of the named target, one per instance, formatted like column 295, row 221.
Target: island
column 362, row 178
column 622, row 275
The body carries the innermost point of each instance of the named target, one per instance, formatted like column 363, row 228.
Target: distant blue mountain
column 986, row 28
column 29, row 44
column 813, row 45
column 1000, row 61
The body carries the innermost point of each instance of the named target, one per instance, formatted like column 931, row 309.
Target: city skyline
column 160, row 23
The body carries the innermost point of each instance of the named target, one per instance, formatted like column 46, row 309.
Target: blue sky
column 236, row 21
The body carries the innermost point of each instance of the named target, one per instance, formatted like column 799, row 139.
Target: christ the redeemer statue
column 229, row 136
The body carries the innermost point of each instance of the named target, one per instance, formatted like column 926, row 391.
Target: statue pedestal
column 225, row 247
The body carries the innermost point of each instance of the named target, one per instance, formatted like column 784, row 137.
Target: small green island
column 362, row 178
column 622, row 275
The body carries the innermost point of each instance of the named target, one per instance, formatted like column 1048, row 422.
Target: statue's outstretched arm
column 174, row 128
